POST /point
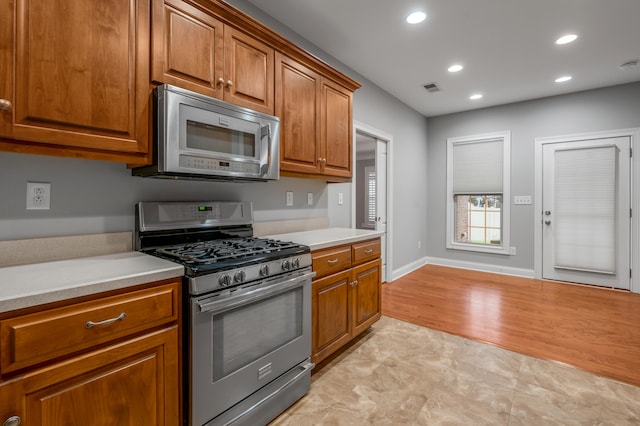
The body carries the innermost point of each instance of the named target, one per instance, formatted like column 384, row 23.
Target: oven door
column 243, row 340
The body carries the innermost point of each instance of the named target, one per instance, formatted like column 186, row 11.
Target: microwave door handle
column 264, row 155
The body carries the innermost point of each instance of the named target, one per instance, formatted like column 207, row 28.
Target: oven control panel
column 229, row 278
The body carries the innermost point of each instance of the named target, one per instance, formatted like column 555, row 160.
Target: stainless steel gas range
column 247, row 323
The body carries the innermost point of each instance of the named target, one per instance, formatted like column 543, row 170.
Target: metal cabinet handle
column 229, row 83
column 353, row 283
column 547, row 213
column 5, row 105
column 12, row 421
column 332, row 261
column 322, row 160
column 547, row 222
column 120, row 317
column 368, row 251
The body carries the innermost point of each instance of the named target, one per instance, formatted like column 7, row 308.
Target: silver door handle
column 120, row 317
column 217, row 304
column 547, row 212
column 547, row 222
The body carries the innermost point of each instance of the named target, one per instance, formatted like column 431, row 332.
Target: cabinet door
column 133, row 383
column 77, row 75
column 298, row 106
column 249, row 69
column 365, row 299
column 331, row 315
column 187, row 48
column 11, row 400
column 336, row 129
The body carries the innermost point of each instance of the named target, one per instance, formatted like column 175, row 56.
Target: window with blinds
column 477, row 188
column 370, row 197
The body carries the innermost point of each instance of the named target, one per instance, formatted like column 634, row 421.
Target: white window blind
column 585, row 209
column 370, row 196
column 478, row 167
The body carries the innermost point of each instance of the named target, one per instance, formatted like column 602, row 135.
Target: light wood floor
column 592, row 328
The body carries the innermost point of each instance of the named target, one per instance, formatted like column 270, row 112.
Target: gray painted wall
column 94, row 197
column 97, row 196
column 616, row 107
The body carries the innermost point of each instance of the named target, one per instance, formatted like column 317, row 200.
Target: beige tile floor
column 404, row 374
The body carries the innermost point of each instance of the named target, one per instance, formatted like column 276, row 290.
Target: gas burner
column 214, row 251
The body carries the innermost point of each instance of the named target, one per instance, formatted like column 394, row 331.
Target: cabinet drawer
column 332, row 260
column 31, row 339
column 365, row 251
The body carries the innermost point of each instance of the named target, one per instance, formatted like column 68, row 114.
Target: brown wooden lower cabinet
column 347, row 302
column 131, row 381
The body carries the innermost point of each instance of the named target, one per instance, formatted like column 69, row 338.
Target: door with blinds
column 586, row 204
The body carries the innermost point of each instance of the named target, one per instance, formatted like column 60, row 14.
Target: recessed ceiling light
column 563, row 78
column 416, row 17
column 455, row 68
column 475, row 96
column 566, row 39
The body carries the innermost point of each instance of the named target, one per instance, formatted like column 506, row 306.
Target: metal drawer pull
column 332, row 261
column 12, row 421
column 353, row 283
column 368, row 251
column 120, row 317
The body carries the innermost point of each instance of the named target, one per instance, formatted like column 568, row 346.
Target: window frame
column 504, row 247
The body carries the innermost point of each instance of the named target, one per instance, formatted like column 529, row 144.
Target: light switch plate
column 310, row 198
column 289, row 198
column 522, row 199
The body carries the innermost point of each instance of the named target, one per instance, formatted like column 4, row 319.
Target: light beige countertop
column 327, row 237
column 38, row 283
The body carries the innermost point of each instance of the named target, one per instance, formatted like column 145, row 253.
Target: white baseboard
column 483, row 267
column 408, row 268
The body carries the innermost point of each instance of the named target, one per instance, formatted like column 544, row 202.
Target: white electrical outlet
column 38, row 195
column 512, row 251
column 310, row 198
column 340, row 198
column 522, row 199
column 289, row 198
column 419, row 244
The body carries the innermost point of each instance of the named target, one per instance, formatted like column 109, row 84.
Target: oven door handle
column 225, row 303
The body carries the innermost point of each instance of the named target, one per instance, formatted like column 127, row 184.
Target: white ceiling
column 506, row 46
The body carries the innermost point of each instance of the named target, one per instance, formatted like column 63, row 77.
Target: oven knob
column 295, row 263
column 240, row 276
column 264, row 270
column 286, row 265
column 224, row 280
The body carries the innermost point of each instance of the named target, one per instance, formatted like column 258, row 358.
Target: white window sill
column 480, row 249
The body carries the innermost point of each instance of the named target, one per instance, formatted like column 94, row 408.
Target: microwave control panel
column 200, row 163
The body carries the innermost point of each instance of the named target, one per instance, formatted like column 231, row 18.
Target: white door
column 586, row 205
column 381, row 200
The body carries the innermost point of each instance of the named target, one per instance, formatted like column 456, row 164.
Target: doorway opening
column 371, row 187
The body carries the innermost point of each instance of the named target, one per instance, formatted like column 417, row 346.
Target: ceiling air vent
column 432, row 87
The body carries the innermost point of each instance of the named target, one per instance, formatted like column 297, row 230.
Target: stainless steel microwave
column 199, row 137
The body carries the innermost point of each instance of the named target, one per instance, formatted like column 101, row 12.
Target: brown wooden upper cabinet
column 75, row 78
column 194, row 50
column 315, row 130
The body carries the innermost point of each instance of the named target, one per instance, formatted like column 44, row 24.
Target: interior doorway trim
column 634, row 134
column 362, row 128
